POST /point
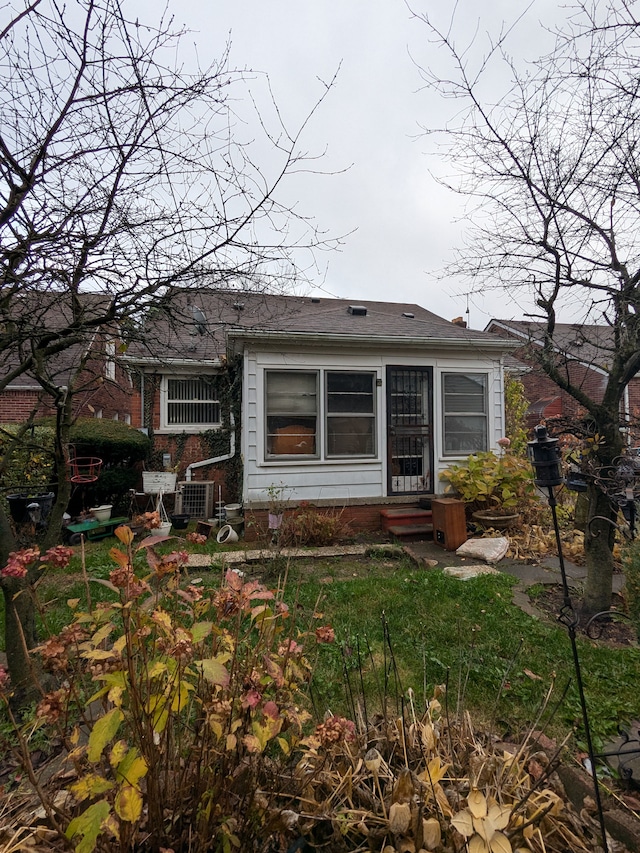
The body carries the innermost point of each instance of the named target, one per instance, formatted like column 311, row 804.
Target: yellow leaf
column 132, row 768
column 97, row 654
column 118, row 752
column 463, row 822
column 232, row 742
column 500, row 844
column 102, row 634
column 283, row 744
column 499, row 816
column 73, row 603
column 431, row 833
column 102, row 732
column 120, row 643
column 181, row 696
column 477, row 803
column 428, row 737
column 90, row 786
column 128, row 804
column 476, row 844
column 124, row 534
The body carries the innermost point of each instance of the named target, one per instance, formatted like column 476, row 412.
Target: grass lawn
column 399, row 627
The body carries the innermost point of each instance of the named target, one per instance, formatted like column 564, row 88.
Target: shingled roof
column 588, row 344
column 197, row 325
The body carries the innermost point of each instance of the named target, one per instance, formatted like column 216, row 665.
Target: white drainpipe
column 215, row 459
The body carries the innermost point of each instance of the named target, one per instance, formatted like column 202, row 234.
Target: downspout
column 216, row 459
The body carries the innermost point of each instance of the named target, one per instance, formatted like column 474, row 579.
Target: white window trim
column 165, row 426
column 448, row 455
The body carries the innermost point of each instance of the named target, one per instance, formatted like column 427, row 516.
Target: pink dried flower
column 504, row 442
column 58, row 556
column 19, row 561
column 196, row 538
column 325, row 634
column 334, row 730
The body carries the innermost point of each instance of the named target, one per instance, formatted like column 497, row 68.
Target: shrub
column 30, row 466
column 631, row 565
column 186, row 695
column 487, row 481
column 309, row 526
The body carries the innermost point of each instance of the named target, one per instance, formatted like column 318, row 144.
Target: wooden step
column 404, row 515
column 411, row 530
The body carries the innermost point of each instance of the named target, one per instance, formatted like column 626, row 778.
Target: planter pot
column 26, row 507
column 101, row 513
column 233, row 511
column 226, row 535
column 491, row 518
column 275, row 520
column 163, row 530
column 180, row 521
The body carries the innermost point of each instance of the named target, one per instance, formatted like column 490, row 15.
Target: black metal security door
column 409, row 434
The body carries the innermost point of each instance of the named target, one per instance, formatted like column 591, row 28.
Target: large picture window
column 309, row 413
column 191, row 402
column 464, row 400
column 292, row 413
column 350, row 414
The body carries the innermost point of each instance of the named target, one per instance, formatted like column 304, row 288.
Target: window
column 292, row 413
column 464, row 399
column 350, row 414
column 191, row 402
column 298, row 425
column 109, row 364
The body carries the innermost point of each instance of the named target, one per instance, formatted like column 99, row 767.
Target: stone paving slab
column 234, row 558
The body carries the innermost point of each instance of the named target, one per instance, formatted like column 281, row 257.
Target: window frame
column 165, row 425
column 369, row 416
column 464, row 414
column 269, row 455
column 322, row 416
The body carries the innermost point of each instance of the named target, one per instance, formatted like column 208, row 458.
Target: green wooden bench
column 93, row 530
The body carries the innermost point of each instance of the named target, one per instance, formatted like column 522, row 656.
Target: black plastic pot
column 180, row 521
column 22, row 507
column 576, row 482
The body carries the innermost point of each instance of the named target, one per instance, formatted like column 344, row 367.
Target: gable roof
column 198, row 325
column 35, row 313
column 589, row 344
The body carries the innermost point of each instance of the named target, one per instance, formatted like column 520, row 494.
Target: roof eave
column 499, row 344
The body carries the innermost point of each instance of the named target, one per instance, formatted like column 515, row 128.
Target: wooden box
column 449, row 523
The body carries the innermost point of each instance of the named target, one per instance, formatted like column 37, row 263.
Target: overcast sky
column 402, row 225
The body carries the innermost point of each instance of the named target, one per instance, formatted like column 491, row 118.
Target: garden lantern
column 544, row 455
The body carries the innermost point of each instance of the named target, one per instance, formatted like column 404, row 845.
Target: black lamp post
column 544, row 455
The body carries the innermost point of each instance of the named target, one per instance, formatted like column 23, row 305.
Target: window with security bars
column 464, row 399
column 192, row 401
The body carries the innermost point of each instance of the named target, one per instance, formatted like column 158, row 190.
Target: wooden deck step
column 402, row 530
column 401, row 516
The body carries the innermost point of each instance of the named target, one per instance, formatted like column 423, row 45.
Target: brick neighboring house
column 102, row 388
column 345, row 403
column 582, row 351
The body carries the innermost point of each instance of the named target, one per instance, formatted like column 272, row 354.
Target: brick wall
column 357, row 519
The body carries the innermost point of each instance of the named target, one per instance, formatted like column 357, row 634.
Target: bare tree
column 551, row 168
column 123, row 174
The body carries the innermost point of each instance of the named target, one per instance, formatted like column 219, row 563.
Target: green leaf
column 88, row 826
column 213, row 671
column 103, row 731
column 201, row 630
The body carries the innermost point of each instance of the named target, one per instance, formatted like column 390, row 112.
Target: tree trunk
column 20, row 632
column 599, row 539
